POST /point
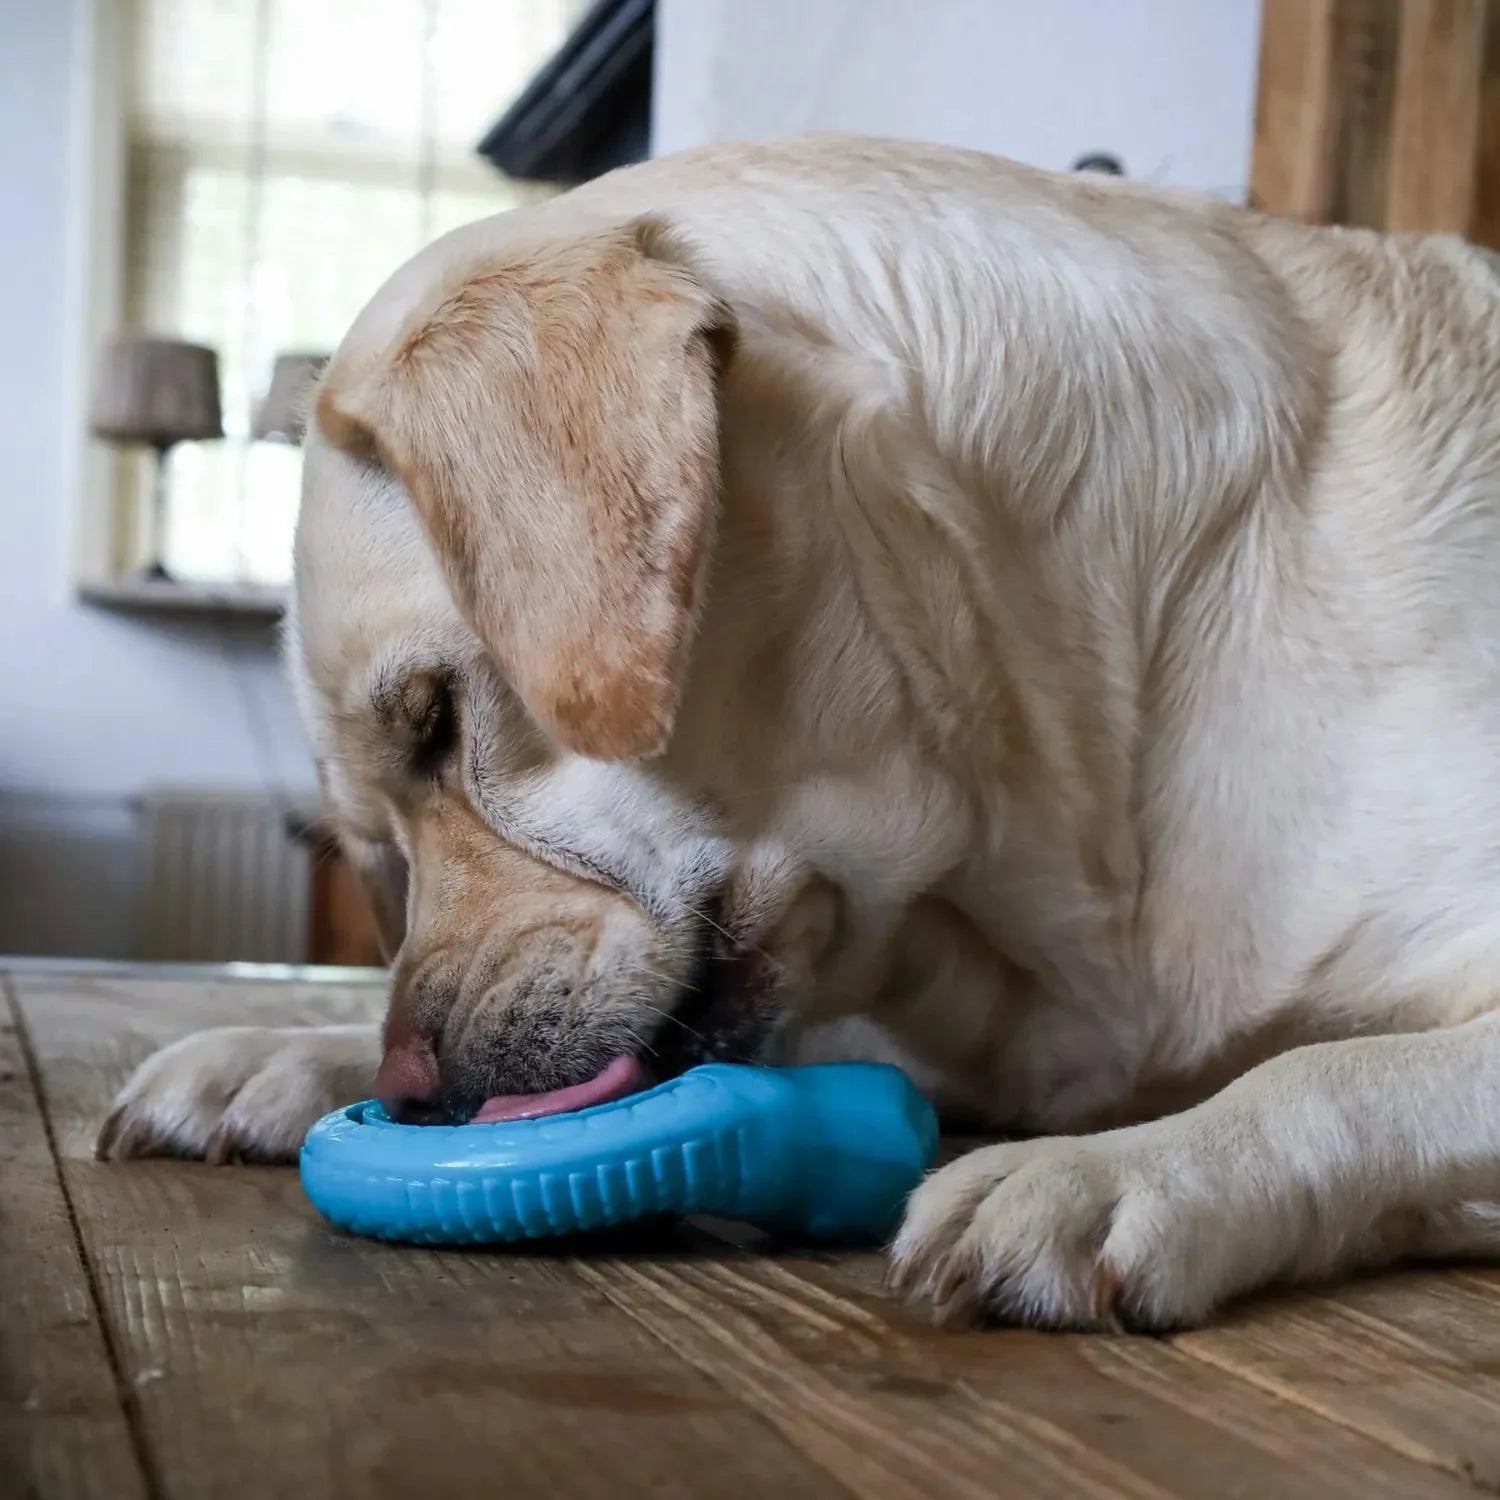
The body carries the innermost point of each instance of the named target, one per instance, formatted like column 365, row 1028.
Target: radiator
column 224, row 880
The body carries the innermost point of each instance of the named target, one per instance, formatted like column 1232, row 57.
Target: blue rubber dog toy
column 828, row 1152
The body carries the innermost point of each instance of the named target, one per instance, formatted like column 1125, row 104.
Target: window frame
column 111, row 517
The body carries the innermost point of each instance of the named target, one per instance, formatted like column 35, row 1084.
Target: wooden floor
column 171, row 1329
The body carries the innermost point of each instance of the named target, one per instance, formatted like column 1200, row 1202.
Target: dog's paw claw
column 109, row 1133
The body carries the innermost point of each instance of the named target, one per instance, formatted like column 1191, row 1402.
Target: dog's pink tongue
column 623, row 1076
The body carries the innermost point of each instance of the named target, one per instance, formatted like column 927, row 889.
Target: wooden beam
column 1323, row 107
column 1435, row 121
column 64, row 1431
column 1380, row 113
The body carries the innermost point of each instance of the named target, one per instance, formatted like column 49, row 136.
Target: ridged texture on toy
column 752, row 1143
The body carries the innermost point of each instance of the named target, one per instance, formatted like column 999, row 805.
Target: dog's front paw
column 1124, row 1230
column 238, row 1093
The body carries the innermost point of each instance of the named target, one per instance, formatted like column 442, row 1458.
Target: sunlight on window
column 286, row 156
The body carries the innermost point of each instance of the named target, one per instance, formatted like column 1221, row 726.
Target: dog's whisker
column 667, row 1015
column 655, row 974
column 723, row 932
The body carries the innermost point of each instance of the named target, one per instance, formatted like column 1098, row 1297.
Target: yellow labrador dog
column 848, row 598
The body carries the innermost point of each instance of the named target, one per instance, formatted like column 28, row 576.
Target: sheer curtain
column 284, row 157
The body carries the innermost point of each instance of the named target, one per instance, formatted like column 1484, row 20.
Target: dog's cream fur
column 1058, row 621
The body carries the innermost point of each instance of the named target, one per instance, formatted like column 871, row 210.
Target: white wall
column 1166, row 85
column 93, row 707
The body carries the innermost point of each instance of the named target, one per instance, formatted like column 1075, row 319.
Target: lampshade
column 282, row 416
column 157, row 391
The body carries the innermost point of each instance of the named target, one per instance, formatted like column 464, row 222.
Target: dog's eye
column 428, row 720
column 436, row 731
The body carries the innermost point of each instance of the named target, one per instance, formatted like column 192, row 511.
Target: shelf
column 153, row 596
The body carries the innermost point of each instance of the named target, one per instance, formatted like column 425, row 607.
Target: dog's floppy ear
column 554, row 418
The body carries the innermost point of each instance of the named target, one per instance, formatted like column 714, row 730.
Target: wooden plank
column 1408, row 1359
column 1435, row 126
column 1324, row 100
column 898, row 1410
column 1293, row 113
column 63, row 1429
column 1381, row 113
column 272, row 1356
column 1366, row 40
column 1484, row 227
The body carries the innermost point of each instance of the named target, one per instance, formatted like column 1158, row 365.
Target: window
column 285, row 156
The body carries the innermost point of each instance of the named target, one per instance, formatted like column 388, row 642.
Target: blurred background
column 197, row 196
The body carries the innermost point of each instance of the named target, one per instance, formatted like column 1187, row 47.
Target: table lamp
column 159, row 392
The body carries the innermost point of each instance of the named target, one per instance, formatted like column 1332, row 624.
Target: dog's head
column 510, row 505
